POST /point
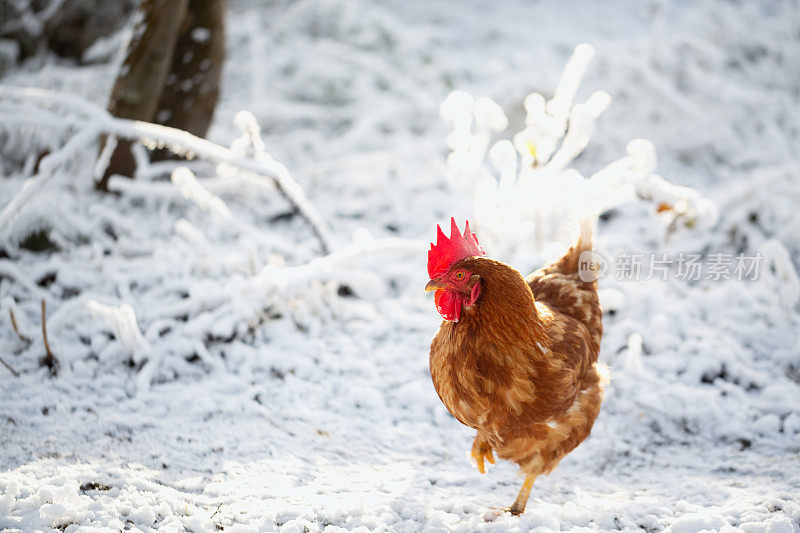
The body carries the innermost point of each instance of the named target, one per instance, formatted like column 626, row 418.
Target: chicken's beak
column 433, row 285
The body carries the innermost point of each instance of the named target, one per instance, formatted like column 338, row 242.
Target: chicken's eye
column 459, row 275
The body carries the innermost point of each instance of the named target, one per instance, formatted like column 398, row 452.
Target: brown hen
column 515, row 358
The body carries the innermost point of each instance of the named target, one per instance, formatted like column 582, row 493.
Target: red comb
column 446, row 251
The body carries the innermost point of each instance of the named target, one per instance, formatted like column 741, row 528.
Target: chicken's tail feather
column 585, row 236
column 586, row 230
column 569, row 263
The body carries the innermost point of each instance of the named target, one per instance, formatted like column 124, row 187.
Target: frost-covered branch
column 47, row 171
column 154, row 337
column 221, row 311
column 122, row 321
column 99, row 122
column 241, row 299
column 581, row 128
column 529, row 195
column 684, row 203
column 195, row 291
column 559, row 106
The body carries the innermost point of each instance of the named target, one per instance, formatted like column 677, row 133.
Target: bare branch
column 16, row 374
column 22, row 337
column 50, row 361
column 215, row 512
column 44, row 329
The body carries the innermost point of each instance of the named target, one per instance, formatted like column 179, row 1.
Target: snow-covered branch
column 222, row 311
column 529, row 196
column 99, row 122
column 47, row 171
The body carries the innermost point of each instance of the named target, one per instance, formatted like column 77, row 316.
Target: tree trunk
column 141, row 80
column 171, row 75
column 192, row 86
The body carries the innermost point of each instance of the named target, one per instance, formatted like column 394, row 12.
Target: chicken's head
column 456, row 287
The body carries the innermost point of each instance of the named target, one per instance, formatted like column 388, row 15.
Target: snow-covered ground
column 199, row 391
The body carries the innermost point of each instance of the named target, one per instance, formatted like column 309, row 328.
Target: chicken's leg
column 482, row 450
column 518, row 507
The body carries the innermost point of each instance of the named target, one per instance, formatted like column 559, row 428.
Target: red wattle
column 448, row 303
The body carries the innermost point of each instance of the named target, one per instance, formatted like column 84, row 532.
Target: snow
column 218, row 371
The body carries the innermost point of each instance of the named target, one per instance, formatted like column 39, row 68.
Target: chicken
column 516, row 358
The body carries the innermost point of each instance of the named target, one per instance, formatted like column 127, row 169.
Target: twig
column 16, row 374
column 49, row 360
column 44, row 329
column 215, row 512
column 22, row 337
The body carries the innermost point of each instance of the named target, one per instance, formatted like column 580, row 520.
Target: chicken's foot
column 482, row 450
column 518, row 507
